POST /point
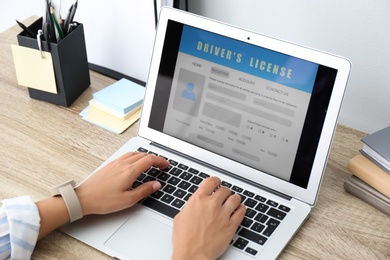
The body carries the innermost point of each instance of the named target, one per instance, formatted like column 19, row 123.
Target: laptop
column 258, row 112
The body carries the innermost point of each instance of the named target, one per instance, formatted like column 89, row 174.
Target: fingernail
column 156, row 186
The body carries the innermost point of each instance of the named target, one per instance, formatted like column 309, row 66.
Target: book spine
column 370, row 173
column 375, row 161
column 369, row 198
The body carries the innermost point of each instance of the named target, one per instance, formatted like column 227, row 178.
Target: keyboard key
column 196, row 180
column 162, row 184
column 169, row 189
column 260, row 198
column 173, row 162
column 204, row 175
column 168, row 168
column 193, row 188
column 272, row 203
column 175, row 171
column 249, row 194
column 178, row 203
column 164, row 176
column 226, row 184
column 167, row 198
column 142, row 150
column 154, row 172
column 246, row 222
column 261, row 218
column 183, row 167
column 250, row 202
column 141, row 176
column 276, row 213
column 193, row 171
column 243, row 198
column 148, row 178
column 241, row 243
column 272, row 225
column 184, row 185
column 284, row 208
column 268, row 232
column 262, row 207
column 257, row 227
column 157, row 194
column 251, row 251
column 237, row 189
column 250, row 213
column 187, row 197
column 150, row 152
column 252, row 236
column 273, row 222
column 160, row 207
column 179, row 193
column 173, row 180
column 186, row 176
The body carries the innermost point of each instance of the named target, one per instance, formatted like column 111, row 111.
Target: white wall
column 11, row 10
column 356, row 29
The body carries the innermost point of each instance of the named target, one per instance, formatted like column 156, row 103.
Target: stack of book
column 115, row 107
column 371, row 171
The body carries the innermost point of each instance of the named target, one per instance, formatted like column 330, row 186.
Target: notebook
column 258, row 112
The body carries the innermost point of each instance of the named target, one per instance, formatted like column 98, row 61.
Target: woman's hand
column 206, row 225
column 108, row 190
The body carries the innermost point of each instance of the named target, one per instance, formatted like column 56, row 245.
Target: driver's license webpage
column 239, row 100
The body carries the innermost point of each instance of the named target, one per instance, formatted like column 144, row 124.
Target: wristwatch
column 66, row 190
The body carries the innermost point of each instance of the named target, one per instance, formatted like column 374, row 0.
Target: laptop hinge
column 284, row 196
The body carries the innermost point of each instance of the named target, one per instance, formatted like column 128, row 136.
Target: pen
column 72, row 27
column 26, row 29
column 49, row 20
column 73, row 12
column 47, row 35
column 39, row 40
column 67, row 19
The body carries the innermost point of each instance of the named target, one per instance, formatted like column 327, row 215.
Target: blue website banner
column 254, row 60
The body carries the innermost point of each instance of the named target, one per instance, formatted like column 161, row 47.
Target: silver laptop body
column 258, row 112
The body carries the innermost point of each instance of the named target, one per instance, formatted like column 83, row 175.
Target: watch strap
column 66, row 190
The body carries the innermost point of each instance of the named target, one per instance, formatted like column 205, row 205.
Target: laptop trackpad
column 142, row 237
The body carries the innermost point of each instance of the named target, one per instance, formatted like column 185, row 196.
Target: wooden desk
column 44, row 144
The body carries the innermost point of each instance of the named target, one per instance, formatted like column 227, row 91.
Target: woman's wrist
column 71, row 200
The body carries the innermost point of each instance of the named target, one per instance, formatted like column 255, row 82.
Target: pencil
column 58, row 27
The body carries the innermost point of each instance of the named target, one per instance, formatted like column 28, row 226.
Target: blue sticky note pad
column 122, row 96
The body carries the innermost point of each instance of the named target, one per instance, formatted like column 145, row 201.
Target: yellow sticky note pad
column 110, row 122
column 32, row 70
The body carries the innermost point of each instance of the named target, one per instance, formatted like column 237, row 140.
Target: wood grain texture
column 43, row 144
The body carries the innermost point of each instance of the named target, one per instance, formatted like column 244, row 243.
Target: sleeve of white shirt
column 19, row 228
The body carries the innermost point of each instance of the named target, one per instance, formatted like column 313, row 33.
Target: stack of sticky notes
column 115, row 107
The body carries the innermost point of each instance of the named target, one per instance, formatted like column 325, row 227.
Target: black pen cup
column 70, row 65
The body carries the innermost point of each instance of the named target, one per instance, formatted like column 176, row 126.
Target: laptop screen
column 256, row 106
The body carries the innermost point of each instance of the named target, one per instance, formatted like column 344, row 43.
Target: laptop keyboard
column 180, row 181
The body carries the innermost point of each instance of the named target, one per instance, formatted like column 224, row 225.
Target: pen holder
column 70, row 65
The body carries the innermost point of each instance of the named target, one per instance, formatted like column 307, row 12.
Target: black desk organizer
column 70, row 65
